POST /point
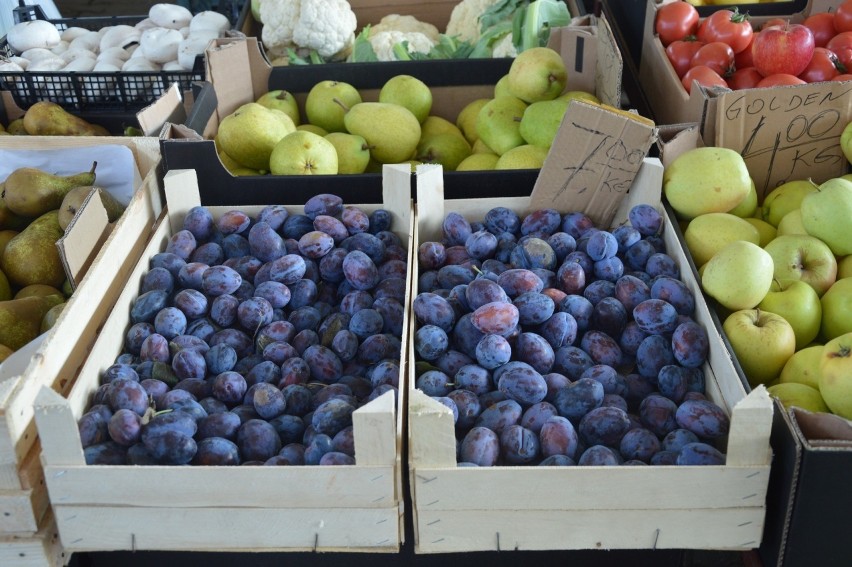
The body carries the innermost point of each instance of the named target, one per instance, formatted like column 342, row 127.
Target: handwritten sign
column 786, row 133
column 592, row 163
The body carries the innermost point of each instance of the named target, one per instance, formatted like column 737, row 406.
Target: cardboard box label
column 787, row 133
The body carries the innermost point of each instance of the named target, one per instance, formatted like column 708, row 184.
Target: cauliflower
column 464, row 19
column 384, row 41
column 504, row 47
column 328, row 26
column 406, row 24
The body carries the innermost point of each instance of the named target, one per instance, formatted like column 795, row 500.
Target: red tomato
column 744, row 58
column 840, row 41
column 745, row 78
column 843, row 17
column 823, row 67
column 822, row 26
column 717, row 55
column 844, row 58
column 843, row 77
column 704, row 76
column 676, row 21
column 780, row 80
column 727, row 26
column 680, row 54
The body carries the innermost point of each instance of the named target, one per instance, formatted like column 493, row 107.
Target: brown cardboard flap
column 823, row 429
column 609, row 67
column 231, row 65
column 168, row 108
column 592, row 162
column 677, row 139
column 787, row 133
column 83, row 237
column 578, row 47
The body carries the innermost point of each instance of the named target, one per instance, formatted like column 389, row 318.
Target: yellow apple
column 799, row 395
column 748, row 206
column 803, row 367
column 762, row 341
column 706, row 180
column 739, row 275
column 708, row 233
column 827, row 214
column 844, row 267
column 767, row 231
column 785, row 198
column 791, row 223
column 799, row 304
column 837, row 310
column 835, row 380
column 803, row 257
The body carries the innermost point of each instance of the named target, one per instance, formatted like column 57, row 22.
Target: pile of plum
column 556, row 343
column 253, row 340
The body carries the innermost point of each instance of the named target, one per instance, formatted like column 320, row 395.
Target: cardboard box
column 211, row 508
column 53, row 358
column 535, row 508
column 809, row 501
column 781, row 131
column 240, row 73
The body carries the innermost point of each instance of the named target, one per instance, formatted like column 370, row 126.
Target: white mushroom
column 37, row 53
column 119, row 36
column 209, row 20
column 170, row 16
column 160, row 44
column 90, row 41
column 118, row 53
column 80, row 65
column 34, row 33
column 69, row 34
column 77, row 53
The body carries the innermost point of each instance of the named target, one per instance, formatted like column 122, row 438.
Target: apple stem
column 811, row 181
column 341, row 104
column 844, row 352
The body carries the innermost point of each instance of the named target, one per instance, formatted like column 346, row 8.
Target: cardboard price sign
column 787, row 133
column 592, row 162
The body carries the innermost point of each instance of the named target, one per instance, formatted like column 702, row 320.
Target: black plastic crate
column 91, row 92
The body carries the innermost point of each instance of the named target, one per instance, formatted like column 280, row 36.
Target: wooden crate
column 537, row 508
column 41, row 549
column 54, row 360
column 298, row 508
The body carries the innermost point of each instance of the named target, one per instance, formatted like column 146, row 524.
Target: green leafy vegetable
column 533, row 24
column 362, row 49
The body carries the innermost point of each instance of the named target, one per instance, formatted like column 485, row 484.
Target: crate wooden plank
column 465, row 530
column 42, row 549
column 85, row 528
column 65, row 346
column 21, row 510
column 356, row 507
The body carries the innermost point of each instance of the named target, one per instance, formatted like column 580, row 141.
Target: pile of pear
column 36, row 207
column 46, row 118
column 336, row 131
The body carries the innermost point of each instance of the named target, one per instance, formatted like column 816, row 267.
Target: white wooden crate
column 62, row 350
column 325, row 508
column 41, row 549
column 536, row 508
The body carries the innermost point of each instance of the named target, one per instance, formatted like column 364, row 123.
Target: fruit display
column 725, row 49
column 335, row 130
column 319, row 31
column 773, row 269
column 556, row 343
column 47, row 118
column 254, row 339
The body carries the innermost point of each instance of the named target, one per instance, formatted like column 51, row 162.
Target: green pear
column 353, row 152
column 448, row 149
column 499, row 123
column 480, row 147
column 8, row 219
column 38, row 290
column 827, row 214
column 525, row 156
column 541, row 121
column 282, row 100
column 466, row 118
column 579, row 95
column 5, row 237
column 501, row 87
column 5, row 288
column 328, row 102
column 478, row 162
column 250, row 132
column 31, row 192
column 410, row 92
column 537, row 74
column 799, row 395
column 20, row 319
column 74, row 199
column 31, row 257
column 437, row 125
column 50, row 318
column 235, row 168
column 303, row 153
column 391, row 130
column 312, row 128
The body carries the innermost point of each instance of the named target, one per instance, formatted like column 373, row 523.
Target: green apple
column 391, row 130
column 499, row 123
column 766, row 231
column 791, row 223
column 353, row 152
column 466, row 118
column 478, row 162
column 708, row 233
column 762, row 342
column 410, row 92
column 799, row 304
column 738, row 276
column 537, row 73
column 803, row 257
column 448, row 149
column 803, row 367
column 706, row 180
column 541, row 121
column 835, row 375
column 748, row 206
column 250, row 132
column 282, row 100
column 827, row 214
column 837, row 310
column 328, row 102
column 501, row 87
column 844, row 267
column 799, row 395
column 437, row 125
column 303, row 153
column 785, row 198
column 525, row 156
